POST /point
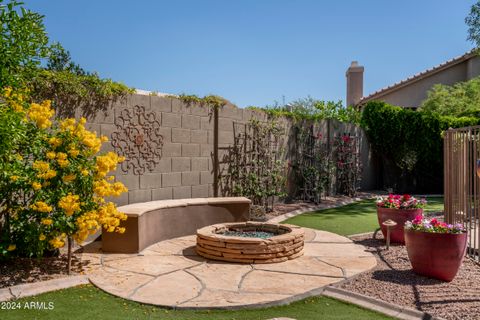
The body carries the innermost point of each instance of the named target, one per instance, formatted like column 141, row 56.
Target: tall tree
column 473, row 23
column 23, row 42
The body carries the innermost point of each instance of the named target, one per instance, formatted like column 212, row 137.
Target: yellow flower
column 68, row 178
column 105, row 189
column 11, row 247
column 85, row 172
column 41, row 114
column 14, row 178
column 17, row 107
column 45, row 184
column 51, row 155
column 7, row 92
column 62, row 159
column 56, row 243
column 91, row 141
column 36, row 185
column 73, row 152
column 70, row 204
column 67, row 124
column 44, row 171
column 63, row 163
column 41, row 166
column 55, row 142
column 42, row 237
column 41, row 206
column 107, row 163
column 61, row 156
column 47, row 221
column 50, row 174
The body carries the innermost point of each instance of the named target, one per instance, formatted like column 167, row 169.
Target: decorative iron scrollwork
column 138, row 139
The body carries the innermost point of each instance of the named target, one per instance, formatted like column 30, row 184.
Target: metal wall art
column 138, row 139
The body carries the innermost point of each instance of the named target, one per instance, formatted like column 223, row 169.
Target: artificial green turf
column 358, row 217
column 87, row 302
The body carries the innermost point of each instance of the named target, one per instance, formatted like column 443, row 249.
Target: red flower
column 346, row 138
column 434, row 222
column 406, row 197
column 418, row 219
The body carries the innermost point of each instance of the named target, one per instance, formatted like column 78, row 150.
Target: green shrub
column 412, row 140
column 461, row 99
column 313, row 109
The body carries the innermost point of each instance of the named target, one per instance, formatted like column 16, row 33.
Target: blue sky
column 254, row 52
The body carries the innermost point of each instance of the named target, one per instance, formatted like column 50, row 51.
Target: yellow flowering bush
column 53, row 182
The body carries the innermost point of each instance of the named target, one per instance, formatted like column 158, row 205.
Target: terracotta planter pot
column 436, row 255
column 400, row 217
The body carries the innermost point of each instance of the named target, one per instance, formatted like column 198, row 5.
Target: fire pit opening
column 250, row 242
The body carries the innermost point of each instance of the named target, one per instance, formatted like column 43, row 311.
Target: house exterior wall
column 411, row 95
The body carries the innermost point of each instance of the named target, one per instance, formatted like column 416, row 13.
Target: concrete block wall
column 185, row 169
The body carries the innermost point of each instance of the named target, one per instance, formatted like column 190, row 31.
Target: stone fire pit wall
column 287, row 245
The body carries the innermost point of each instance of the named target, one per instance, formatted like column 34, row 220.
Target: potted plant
column 435, row 249
column 399, row 208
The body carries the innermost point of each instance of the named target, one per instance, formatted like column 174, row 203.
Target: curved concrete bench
column 151, row 222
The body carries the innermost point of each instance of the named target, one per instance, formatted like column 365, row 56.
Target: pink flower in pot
column 435, row 249
column 399, row 208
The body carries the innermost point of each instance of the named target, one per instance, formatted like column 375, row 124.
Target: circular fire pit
column 250, row 242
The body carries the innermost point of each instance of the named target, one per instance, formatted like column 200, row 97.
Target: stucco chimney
column 354, row 83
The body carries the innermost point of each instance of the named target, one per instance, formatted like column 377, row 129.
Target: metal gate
column 462, row 182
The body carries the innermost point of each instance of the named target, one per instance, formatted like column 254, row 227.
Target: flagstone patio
column 171, row 274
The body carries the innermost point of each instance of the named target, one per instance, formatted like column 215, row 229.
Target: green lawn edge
column 88, row 302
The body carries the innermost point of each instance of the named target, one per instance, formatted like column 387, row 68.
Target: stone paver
column 305, row 265
column 170, row 273
column 152, row 265
column 169, row 289
column 261, row 281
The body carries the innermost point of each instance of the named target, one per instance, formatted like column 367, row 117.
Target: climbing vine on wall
column 213, row 102
column 254, row 165
column 312, row 166
column 347, row 163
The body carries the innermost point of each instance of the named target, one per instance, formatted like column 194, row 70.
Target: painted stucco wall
column 411, row 95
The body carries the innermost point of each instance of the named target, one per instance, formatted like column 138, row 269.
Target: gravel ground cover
column 392, row 280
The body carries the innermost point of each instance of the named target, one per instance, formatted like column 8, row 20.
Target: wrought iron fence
column 462, row 182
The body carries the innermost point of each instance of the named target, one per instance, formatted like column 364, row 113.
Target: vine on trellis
column 348, row 166
column 313, row 165
column 254, row 165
